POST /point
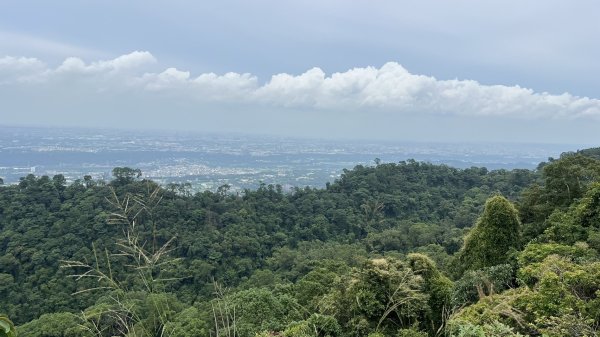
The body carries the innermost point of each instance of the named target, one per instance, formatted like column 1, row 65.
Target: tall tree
column 125, row 175
column 495, row 234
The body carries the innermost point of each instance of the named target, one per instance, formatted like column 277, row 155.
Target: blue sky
column 439, row 70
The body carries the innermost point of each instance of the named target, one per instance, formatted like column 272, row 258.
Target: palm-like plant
column 143, row 261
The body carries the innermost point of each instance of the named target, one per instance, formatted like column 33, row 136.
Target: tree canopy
column 398, row 249
column 496, row 233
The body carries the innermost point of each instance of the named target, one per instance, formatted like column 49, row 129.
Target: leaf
column 7, row 328
column 4, row 326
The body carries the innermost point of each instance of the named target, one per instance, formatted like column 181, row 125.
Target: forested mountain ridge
column 313, row 262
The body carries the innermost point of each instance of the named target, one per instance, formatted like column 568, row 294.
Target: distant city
column 208, row 161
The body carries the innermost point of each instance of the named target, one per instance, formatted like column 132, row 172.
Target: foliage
column 261, row 309
column 382, row 295
column 373, row 253
column 561, row 296
column 125, row 175
column 535, row 253
column 565, row 181
column 495, row 329
column 54, row 325
column 412, row 332
column 439, row 290
column 579, row 223
column 316, row 325
column 138, row 307
column 476, row 284
column 187, row 323
column 7, row 328
column 369, row 210
column 491, row 309
column 310, row 289
column 495, row 235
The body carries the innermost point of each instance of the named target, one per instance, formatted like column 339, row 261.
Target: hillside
column 406, row 249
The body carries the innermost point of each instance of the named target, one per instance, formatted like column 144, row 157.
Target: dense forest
column 393, row 249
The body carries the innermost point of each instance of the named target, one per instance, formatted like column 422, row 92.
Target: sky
column 511, row 71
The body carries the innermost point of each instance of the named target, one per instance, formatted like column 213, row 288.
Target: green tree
column 382, row 295
column 588, row 209
column 565, row 180
column 310, row 289
column 493, row 329
column 568, row 178
column 125, row 175
column 580, row 223
column 187, row 323
column 61, row 324
column 559, row 298
column 476, row 284
column 316, row 325
column 261, row 309
column 496, row 233
column 439, row 289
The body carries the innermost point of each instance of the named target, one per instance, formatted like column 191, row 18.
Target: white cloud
column 132, row 61
column 20, row 69
column 229, row 87
column 390, row 89
column 169, row 78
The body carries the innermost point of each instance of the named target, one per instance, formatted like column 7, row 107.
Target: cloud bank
column 390, row 89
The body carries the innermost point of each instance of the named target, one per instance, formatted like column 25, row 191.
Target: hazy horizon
column 350, row 139
column 209, row 160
